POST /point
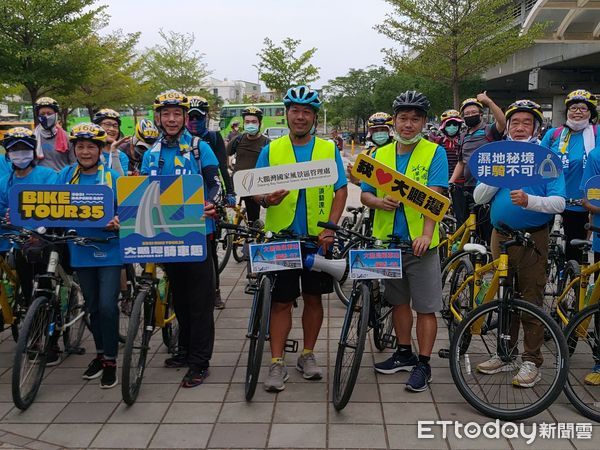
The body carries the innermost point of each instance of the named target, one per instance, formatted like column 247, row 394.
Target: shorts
column 287, row 284
column 421, row 282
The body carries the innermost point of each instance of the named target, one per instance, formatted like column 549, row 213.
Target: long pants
column 573, row 225
column 193, row 288
column 213, row 245
column 252, row 209
column 530, row 269
column 101, row 287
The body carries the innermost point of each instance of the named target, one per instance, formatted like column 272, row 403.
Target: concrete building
column 233, row 91
column 567, row 57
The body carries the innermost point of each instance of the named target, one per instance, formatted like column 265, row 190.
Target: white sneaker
column 528, row 375
column 495, row 365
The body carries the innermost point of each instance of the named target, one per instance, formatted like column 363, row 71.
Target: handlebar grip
column 590, row 227
column 328, row 225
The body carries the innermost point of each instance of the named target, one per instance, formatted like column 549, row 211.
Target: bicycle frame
column 464, row 233
column 149, row 282
column 8, row 316
column 583, row 279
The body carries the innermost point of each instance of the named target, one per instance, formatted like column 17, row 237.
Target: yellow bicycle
column 13, row 306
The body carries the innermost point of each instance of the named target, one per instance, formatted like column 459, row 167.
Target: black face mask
column 473, row 121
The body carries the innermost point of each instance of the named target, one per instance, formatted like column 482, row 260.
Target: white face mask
column 577, row 125
column 404, row 141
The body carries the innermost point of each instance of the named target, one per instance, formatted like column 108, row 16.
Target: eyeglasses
column 114, row 126
column 575, row 108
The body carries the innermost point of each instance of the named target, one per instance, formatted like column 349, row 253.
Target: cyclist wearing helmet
column 112, row 157
column 300, row 211
column 529, row 209
column 235, row 131
column 99, row 267
column 476, row 135
column 53, row 148
column 573, row 143
column 145, row 136
column 192, row 283
column 247, row 147
column 425, row 162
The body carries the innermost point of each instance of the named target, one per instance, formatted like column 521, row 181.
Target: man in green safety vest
column 421, row 285
column 300, row 211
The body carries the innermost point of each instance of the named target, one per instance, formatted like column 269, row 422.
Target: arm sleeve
column 222, row 157
column 212, row 183
column 484, row 193
column 554, row 204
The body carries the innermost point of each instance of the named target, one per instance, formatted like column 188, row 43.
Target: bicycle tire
column 223, row 239
column 238, row 250
column 569, row 306
column 344, row 385
column 19, row 310
column 261, row 310
column 141, row 323
column 556, row 265
column 381, row 319
column 36, row 327
column 338, row 285
column 528, row 407
column 448, row 268
column 464, row 301
column 126, row 302
column 72, row 335
column 574, row 389
column 170, row 332
column 443, row 250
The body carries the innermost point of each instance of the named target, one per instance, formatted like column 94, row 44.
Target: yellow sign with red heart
column 400, row 187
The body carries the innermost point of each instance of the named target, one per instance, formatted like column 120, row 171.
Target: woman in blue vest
column 573, row 142
column 98, row 267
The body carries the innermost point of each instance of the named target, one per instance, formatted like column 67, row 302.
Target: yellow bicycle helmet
column 106, row 113
column 19, row 135
column 46, row 101
column 525, row 106
column 253, row 111
column 450, row 114
column 171, row 98
column 88, row 131
column 470, row 101
column 145, row 131
column 380, row 119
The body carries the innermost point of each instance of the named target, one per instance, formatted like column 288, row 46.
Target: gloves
column 230, row 200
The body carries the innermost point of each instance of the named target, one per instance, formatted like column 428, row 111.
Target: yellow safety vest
column 318, row 199
column 418, row 170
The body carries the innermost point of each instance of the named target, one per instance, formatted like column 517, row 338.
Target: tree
column 451, row 41
column 174, row 65
column 40, row 43
column 280, row 68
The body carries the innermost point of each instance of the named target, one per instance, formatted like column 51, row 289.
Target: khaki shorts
column 421, row 282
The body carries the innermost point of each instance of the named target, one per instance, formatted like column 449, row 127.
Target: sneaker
column 219, row 303
column 419, row 379
column 109, row 374
column 194, row 377
column 94, row 369
column 528, row 375
column 593, row 378
column 307, row 366
column 396, row 363
column 495, row 365
column 278, row 375
column 53, row 356
column 177, row 361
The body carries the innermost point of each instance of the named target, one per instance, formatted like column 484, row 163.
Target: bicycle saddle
column 475, row 248
column 580, row 243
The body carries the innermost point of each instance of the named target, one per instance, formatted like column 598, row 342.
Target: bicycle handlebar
column 25, row 234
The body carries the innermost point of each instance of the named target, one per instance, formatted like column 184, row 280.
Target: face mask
column 577, row 125
column 21, row 159
column 380, row 137
column 472, row 121
column 47, row 122
column 413, row 140
column 451, row 130
column 196, row 126
column 251, row 128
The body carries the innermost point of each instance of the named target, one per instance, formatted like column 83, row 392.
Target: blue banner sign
column 511, row 164
column 61, row 205
column 275, row 256
column 162, row 218
column 592, row 190
column 375, row 264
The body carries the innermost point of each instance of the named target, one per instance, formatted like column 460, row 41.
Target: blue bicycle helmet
column 302, row 95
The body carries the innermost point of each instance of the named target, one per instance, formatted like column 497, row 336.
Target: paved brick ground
column 71, row 412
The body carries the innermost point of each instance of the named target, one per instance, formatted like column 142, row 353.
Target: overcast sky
column 230, row 32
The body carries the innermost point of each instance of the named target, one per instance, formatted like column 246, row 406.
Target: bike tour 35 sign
column 512, row 164
column 68, row 205
column 400, row 187
column 162, row 218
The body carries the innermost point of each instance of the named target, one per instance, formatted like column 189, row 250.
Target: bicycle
column 152, row 310
column 223, row 241
column 494, row 315
column 58, row 307
column 13, row 306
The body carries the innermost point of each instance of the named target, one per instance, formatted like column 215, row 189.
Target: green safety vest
column 318, row 199
column 417, row 170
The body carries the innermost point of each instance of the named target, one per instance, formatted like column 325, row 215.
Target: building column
column 559, row 110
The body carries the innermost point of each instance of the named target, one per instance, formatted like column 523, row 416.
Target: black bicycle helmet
column 411, row 100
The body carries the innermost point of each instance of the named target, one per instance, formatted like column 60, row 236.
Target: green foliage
column 41, row 43
column 280, row 68
column 452, row 41
column 174, row 65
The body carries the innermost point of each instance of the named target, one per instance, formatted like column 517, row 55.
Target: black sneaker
column 94, row 369
column 194, row 377
column 219, row 303
column 53, row 356
column 177, row 361
column 109, row 374
column 419, row 379
column 396, row 363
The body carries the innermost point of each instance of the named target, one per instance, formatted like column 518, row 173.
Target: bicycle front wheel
column 351, row 346
column 343, row 287
column 74, row 319
column 583, row 383
column 237, row 246
column 493, row 330
column 32, row 350
column 259, row 328
column 141, row 327
column 170, row 332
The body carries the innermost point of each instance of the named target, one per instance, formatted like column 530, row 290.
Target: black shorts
column 287, row 284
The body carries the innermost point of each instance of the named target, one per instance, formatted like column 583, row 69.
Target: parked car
column 276, row 132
